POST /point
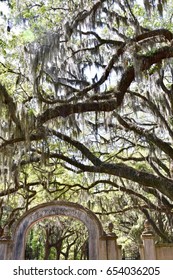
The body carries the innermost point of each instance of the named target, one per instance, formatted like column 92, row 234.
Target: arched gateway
column 55, row 208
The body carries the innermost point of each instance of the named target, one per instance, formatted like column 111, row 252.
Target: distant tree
column 57, row 238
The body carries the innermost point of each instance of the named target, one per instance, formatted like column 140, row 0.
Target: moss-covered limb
column 115, row 43
column 81, row 17
column 69, row 109
column 162, row 145
column 155, row 57
column 126, row 190
column 32, row 137
column 154, row 109
column 82, row 148
column 7, row 100
column 161, row 198
column 145, row 179
column 105, row 74
column 145, row 61
column 153, row 162
column 168, row 92
column 165, row 33
column 9, row 191
column 163, row 185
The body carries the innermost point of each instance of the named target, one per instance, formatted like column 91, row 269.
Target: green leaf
column 28, row 36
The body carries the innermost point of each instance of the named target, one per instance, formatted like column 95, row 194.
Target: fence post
column 149, row 250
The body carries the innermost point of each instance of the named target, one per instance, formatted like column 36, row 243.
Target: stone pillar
column 113, row 250
column 149, row 250
column 5, row 245
column 103, row 248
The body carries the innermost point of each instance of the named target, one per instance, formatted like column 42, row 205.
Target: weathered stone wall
column 164, row 252
column 160, row 252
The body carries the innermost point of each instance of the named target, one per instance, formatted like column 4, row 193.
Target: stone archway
column 55, row 208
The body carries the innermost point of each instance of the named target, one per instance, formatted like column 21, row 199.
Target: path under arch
column 55, row 208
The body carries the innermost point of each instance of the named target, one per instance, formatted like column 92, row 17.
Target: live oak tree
column 57, row 238
column 86, row 95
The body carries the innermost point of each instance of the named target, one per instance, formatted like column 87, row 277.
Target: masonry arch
column 55, row 208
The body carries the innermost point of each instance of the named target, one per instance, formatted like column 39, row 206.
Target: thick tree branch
column 145, row 61
column 128, row 191
column 8, row 101
column 69, row 109
column 168, row 36
column 164, row 185
column 164, row 146
column 154, row 109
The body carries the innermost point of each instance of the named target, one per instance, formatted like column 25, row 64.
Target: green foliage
column 53, row 238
